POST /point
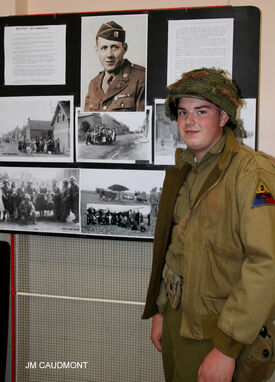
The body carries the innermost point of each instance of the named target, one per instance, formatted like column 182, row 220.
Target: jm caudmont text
column 56, row 365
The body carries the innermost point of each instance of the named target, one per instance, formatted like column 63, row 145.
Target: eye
column 201, row 112
column 182, row 113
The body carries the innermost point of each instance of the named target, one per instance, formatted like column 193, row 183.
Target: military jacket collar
column 229, row 150
column 117, row 85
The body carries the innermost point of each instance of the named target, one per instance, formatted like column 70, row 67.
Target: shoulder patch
column 262, row 196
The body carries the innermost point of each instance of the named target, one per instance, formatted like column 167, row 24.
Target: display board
column 83, row 154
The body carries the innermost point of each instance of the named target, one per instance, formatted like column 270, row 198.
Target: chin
column 109, row 68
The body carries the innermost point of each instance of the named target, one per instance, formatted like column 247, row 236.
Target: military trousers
column 181, row 357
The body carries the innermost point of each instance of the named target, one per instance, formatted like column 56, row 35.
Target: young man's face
column 200, row 124
column 110, row 53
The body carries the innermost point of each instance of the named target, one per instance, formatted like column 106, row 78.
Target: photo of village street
column 40, row 130
column 120, row 203
column 114, row 137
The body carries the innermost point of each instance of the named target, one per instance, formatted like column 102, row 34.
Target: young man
column 121, row 85
column 213, row 271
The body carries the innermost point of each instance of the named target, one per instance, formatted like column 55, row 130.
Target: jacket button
column 265, row 353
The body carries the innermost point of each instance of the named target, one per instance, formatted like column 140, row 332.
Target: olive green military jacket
column 228, row 240
column 126, row 91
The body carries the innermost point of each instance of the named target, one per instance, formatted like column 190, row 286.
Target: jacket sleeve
column 140, row 91
column 252, row 298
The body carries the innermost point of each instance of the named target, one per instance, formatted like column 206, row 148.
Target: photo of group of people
column 40, row 130
column 114, row 137
column 39, row 199
column 120, row 202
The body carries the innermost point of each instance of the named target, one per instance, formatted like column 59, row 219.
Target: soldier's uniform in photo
column 65, row 200
column 126, row 88
column 27, row 210
column 74, row 195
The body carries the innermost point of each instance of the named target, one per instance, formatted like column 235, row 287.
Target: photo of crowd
column 100, row 136
column 31, row 201
column 120, row 202
column 135, row 218
column 41, row 129
column 114, row 137
column 42, row 145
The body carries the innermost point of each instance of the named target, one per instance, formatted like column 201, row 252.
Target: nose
column 190, row 120
column 109, row 52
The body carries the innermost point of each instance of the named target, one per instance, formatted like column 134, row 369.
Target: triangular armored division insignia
column 262, row 196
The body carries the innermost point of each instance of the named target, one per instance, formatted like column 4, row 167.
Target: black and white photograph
column 247, row 114
column 113, row 63
column 39, row 199
column 114, row 137
column 36, row 129
column 167, row 138
column 122, row 203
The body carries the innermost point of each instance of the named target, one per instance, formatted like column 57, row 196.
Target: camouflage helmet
column 212, row 85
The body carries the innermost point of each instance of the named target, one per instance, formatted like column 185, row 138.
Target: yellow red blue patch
column 262, row 196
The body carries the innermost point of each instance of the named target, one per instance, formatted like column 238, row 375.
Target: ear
column 223, row 118
column 125, row 47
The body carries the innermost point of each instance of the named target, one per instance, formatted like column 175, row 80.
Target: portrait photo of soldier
column 113, row 63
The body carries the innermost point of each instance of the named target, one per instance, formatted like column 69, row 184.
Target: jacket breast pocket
column 124, row 102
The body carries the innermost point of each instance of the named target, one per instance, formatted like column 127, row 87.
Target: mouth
column 191, row 133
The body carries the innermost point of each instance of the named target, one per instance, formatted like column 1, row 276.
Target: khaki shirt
column 186, row 196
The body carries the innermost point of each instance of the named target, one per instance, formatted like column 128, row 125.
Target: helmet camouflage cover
column 212, row 85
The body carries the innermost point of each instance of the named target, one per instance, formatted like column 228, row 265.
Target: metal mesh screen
column 78, row 311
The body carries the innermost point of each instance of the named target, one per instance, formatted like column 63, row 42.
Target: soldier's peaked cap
column 111, row 31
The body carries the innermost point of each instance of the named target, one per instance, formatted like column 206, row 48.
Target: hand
column 216, row 367
column 156, row 332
